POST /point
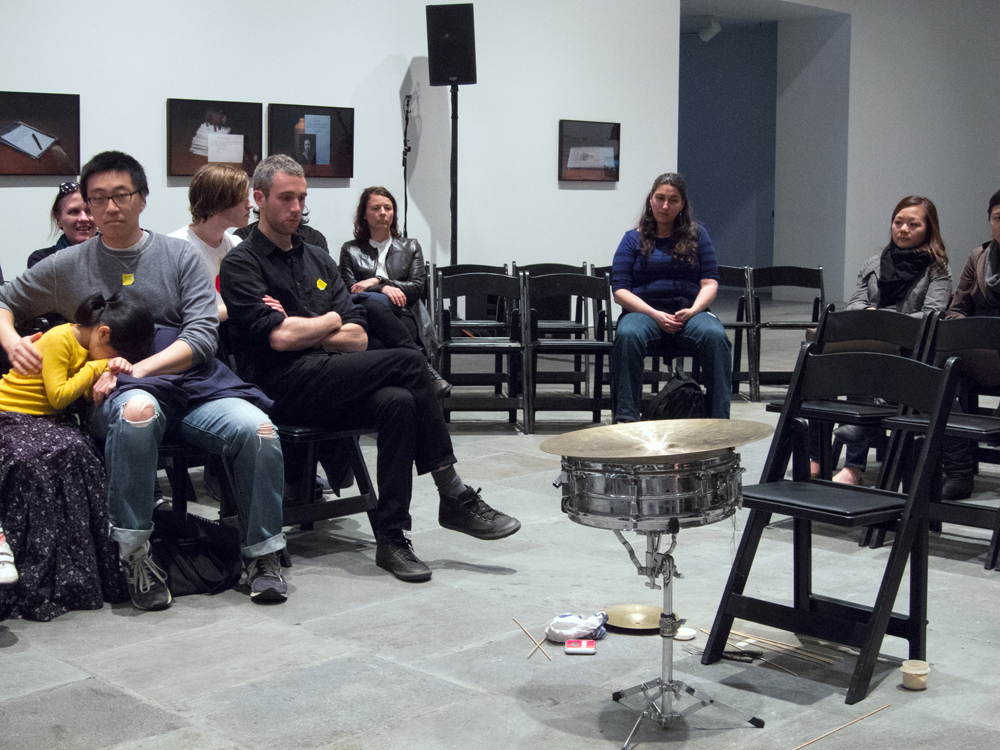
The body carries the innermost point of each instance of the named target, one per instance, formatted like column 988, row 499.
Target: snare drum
column 695, row 490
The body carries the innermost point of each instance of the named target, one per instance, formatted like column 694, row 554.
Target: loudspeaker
column 451, row 44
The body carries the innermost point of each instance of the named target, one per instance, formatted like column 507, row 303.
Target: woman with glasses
column 71, row 216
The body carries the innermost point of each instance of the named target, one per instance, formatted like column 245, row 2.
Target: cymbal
column 656, row 439
column 634, row 616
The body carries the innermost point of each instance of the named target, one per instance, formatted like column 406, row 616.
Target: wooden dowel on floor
column 781, row 648
column 845, row 725
column 800, row 650
column 538, row 644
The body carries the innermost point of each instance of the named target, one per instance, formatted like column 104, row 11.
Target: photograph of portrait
column 589, row 151
column 201, row 131
column 321, row 139
column 39, row 133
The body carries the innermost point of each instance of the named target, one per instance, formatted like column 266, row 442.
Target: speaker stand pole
column 454, row 174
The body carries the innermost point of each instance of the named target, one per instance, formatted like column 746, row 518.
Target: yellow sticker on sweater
column 320, row 284
column 127, row 279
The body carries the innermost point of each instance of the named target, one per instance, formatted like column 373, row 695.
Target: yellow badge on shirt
column 127, row 279
column 320, row 284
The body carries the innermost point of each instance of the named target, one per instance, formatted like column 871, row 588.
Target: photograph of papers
column 321, row 139
column 39, row 133
column 27, row 139
column 200, row 131
column 589, row 151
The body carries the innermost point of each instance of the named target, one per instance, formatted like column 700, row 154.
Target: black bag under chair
column 680, row 398
column 199, row 556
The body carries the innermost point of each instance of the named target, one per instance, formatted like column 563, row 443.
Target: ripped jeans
column 230, row 427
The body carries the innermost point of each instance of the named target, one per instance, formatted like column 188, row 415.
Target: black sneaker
column 147, row 583
column 264, row 579
column 470, row 515
column 395, row 554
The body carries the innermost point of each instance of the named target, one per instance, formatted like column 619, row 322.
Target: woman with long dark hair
column 910, row 275
column 665, row 275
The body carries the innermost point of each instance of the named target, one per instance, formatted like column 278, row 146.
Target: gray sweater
column 929, row 291
column 165, row 273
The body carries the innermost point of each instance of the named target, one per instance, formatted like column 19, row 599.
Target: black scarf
column 900, row 267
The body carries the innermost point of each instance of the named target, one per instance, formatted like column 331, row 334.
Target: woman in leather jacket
column 386, row 266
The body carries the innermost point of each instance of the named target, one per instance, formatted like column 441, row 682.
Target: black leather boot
column 958, row 466
column 442, row 388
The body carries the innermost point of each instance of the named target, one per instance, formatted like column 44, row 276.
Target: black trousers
column 388, row 389
column 389, row 327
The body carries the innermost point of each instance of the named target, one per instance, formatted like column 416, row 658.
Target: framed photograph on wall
column 588, row 151
column 202, row 131
column 321, row 139
column 39, row 133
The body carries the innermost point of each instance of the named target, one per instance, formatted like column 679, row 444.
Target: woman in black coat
column 388, row 268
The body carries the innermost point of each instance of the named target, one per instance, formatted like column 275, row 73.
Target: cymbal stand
column 661, row 692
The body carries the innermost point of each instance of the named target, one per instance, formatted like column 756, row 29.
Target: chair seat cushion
column 979, row 427
column 846, row 411
column 838, row 504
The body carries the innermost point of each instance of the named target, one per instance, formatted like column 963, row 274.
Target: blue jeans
column 227, row 427
column 702, row 335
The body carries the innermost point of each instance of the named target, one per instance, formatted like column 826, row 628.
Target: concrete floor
column 357, row 659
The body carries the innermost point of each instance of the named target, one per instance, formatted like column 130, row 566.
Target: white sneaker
column 8, row 573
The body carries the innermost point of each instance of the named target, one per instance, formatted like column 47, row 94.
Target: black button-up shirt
column 306, row 282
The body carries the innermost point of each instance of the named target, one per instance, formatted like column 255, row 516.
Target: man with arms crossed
column 168, row 276
column 300, row 338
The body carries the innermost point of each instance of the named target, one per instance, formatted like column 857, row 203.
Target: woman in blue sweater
column 665, row 276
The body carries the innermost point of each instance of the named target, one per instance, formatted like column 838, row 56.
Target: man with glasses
column 209, row 407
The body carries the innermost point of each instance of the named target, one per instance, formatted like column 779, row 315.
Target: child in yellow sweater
column 109, row 334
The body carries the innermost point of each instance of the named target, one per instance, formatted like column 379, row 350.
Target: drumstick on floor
column 538, row 644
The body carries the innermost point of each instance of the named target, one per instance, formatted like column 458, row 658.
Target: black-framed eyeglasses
column 120, row 199
column 68, row 188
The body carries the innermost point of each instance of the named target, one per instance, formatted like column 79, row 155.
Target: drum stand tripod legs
column 660, row 693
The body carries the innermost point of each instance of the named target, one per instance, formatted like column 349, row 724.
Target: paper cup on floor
column 915, row 674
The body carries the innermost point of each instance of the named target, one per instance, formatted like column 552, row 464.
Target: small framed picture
column 588, row 151
column 201, row 131
column 39, row 133
column 321, row 139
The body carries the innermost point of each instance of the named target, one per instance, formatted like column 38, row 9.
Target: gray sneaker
column 264, row 579
column 147, row 582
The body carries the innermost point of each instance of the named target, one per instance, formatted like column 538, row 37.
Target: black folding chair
column 598, row 293
column 780, row 276
column 957, row 337
column 505, row 343
column 920, row 387
column 738, row 277
column 557, row 318
column 861, row 330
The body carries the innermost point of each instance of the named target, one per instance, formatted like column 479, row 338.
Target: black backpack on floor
column 199, row 556
column 680, row 398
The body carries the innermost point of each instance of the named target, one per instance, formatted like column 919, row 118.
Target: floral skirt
column 53, row 509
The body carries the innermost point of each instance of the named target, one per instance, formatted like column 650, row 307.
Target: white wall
column 923, row 106
column 726, row 138
column 811, row 143
column 537, row 63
